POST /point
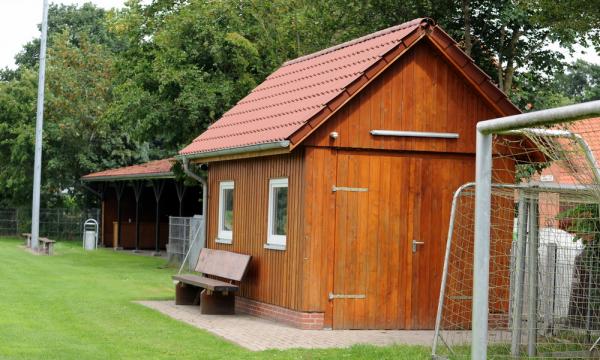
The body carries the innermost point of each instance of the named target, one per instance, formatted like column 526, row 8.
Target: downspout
column 201, row 180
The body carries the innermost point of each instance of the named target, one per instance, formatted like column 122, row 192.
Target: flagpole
column 39, row 125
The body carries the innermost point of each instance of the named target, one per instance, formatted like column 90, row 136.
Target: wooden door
column 434, row 181
column 371, row 288
column 383, row 203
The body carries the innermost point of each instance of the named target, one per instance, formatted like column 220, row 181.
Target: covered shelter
column 337, row 173
column 137, row 202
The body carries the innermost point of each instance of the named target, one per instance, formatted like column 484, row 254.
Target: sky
column 19, row 20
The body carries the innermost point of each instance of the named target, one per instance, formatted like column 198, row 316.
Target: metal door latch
column 415, row 243
column 346, row 296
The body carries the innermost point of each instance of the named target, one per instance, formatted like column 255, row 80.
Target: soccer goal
column 522, row 268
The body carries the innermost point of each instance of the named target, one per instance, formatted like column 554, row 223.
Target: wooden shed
column 337, row 172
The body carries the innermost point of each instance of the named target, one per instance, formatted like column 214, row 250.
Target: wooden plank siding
column 274, row 276
column 420, row 92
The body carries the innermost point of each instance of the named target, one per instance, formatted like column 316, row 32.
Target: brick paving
column 258, row 334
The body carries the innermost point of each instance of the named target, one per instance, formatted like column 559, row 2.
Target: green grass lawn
column 78, row 305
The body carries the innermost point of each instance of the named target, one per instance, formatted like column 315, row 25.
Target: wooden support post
column 157, row 186
column 180, row 188
column 102, row 189
column 119, row 186
column 138, row 186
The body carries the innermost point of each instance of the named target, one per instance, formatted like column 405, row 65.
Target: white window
column 225, row 234
column 278, row 214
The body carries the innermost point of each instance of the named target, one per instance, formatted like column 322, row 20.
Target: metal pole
column 438, row 319
column 39, row 126
column 481, row 257
column 543, row 117
column 590, row 270
column 517, row 311
column 533, row 278
column 550, row 288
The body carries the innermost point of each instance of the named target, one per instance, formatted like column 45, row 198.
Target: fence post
column 550, row 288
column 517, row 312
column 16, row 221
column 533, row 278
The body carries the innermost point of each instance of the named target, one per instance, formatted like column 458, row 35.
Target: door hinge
column 346, row 296
column 352, row 189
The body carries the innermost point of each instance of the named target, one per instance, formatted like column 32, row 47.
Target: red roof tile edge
column 150, row 169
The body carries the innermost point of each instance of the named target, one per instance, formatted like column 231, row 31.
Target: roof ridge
column 411, row 23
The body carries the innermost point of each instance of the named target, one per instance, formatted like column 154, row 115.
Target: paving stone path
column 258, row 334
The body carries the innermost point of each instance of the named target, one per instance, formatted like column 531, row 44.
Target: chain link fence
column 9, row 224
column 62, row 224
column 185, row 232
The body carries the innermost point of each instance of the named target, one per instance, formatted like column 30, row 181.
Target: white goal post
column 483, row 199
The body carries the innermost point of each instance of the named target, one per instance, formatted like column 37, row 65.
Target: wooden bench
column 46, row 246
column 27, row 237
column 215, row 296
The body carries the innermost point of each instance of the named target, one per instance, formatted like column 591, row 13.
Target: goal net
column 544, row 272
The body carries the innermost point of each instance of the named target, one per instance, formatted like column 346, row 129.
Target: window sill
column 275, row 247
column 224, row 241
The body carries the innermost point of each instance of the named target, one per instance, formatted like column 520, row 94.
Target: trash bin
column 90, row 234
column 90, row 240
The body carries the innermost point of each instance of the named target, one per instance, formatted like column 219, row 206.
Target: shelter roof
column 157, row 169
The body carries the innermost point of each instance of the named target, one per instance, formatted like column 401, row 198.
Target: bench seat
column 206, row 283
column 47, row 246
column 215, row 297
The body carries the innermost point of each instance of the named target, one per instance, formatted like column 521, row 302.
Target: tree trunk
column 501, row 58
column 510, row 60
column 467, row 20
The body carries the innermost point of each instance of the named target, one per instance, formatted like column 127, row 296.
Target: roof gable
column 293, row 101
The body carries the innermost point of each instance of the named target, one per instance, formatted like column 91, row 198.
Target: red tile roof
column 305, row 91
column 151, row 169
column 589, row 130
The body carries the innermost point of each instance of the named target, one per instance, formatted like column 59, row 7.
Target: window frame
column 225, row 236
column 275, row 241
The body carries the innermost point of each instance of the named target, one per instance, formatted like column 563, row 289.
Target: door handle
column 415, row 243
